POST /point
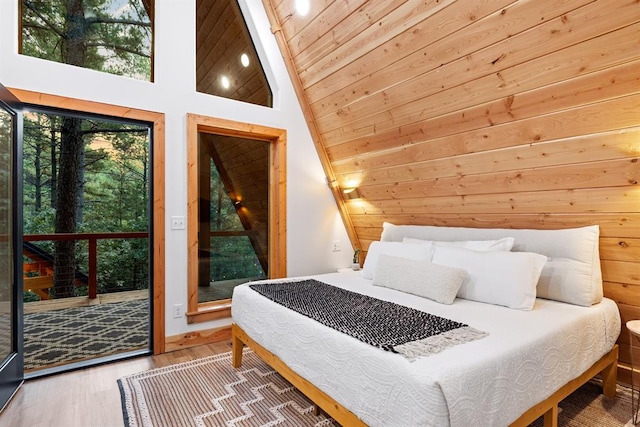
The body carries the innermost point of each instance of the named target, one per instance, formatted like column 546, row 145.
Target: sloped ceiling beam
column 276, row 29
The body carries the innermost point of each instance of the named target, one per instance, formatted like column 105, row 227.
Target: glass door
column 11, row 354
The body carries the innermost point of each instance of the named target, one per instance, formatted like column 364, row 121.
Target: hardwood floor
column 89, row 397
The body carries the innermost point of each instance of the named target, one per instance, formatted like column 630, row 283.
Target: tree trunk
column 71, row 148
column 38, row 177
column 54, row 164
column 80, row 183
column 69, row 181
column 74, row 47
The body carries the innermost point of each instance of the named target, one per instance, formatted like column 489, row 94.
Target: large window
column 236, row 217
column 86, row 175
column 157, row 180
column 233, row 214
column 113, row 36
column 87, row 245
column 227, row 64
column 7, row 273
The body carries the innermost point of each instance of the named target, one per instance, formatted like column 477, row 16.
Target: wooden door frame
column 158, row 205
column 277, row 138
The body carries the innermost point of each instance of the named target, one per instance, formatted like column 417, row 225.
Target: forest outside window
column 233, row 244
column 85, row 175
column 112, row 36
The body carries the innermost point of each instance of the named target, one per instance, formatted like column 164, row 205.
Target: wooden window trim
column 37, row 98
column 201, row 312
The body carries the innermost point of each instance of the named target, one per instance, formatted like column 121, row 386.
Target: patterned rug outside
column 210, row 392
column 62, row 336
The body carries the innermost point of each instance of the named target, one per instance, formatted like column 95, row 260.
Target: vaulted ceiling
column 475, row 113
column 222, row 40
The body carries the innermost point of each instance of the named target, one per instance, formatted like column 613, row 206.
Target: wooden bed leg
column 551, row 417
column 236, row 348
column 316, row 410
column 609, row 378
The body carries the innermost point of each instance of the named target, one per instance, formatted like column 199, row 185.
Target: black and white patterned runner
column 383, row 324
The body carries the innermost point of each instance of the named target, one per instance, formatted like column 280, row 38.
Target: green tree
column 86, row 33
column 113, row 36
column 114, row 193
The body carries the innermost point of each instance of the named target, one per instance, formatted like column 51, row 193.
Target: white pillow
column 572, row 273
column 425, row 279
column 501, row 278
column 399, row 249
column 504, row 244
column 564, row 279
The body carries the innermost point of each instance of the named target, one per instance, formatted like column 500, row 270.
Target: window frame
column 202, row 312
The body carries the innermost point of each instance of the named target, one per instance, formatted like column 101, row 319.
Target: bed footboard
column 239, row 338
column 606, row 367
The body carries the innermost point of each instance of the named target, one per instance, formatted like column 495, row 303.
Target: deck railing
column 41, row 284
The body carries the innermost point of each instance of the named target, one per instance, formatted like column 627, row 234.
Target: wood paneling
column 493, row 113
column 221, row 38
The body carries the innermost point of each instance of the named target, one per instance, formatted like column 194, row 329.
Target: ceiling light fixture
column 244, row 60
column 225, row 82
column 303, row 7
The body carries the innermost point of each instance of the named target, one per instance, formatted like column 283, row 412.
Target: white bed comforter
column 527, row 356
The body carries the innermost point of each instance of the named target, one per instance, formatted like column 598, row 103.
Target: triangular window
column 227, row 63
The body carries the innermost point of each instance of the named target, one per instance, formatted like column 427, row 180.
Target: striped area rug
column 209, row 392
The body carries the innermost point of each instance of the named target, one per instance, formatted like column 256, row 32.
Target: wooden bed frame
column 606, row 367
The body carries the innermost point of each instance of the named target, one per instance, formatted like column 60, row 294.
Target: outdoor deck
column 62, row 331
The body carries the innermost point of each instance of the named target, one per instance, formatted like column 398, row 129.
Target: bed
column 528, row 360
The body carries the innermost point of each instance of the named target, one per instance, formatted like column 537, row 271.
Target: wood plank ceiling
column 221, row 38
column 483, row 113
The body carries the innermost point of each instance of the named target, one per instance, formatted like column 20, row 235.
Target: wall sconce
column 351, row 193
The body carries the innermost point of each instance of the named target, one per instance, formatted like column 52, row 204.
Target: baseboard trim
column 196, row 338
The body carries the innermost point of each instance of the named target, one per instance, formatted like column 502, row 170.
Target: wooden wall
column 493, row 113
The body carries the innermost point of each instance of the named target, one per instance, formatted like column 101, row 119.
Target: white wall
column 313, row 222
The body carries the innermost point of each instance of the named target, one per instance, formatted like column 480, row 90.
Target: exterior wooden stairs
column 37, row 270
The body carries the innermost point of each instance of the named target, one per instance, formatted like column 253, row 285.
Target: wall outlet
column 177, row 311
column 177, row 223
column 336, row 246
